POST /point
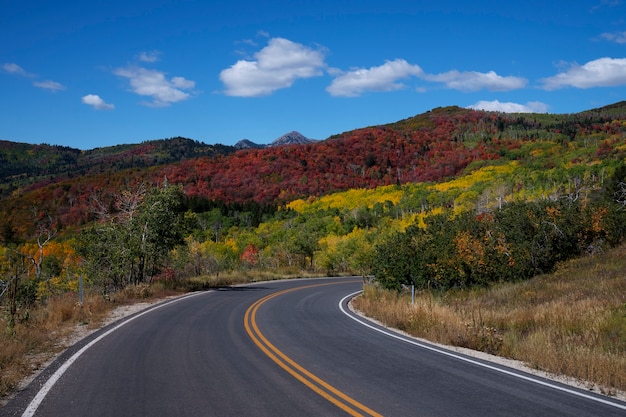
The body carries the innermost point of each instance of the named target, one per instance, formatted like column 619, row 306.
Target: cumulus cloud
column 96, row 102
column 49, row 85
column 603, row 72
column 276, row 66
column 508, row 107
column 382, row 78
column 154, row 84
column 475, row 81
column 13, row 68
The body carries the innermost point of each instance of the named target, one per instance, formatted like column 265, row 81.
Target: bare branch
column 99, row 208
column 4, row 286
column 620, row 194
column 128, row 202
column 575, row 187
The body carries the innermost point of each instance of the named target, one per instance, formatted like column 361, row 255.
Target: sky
column 102, row 73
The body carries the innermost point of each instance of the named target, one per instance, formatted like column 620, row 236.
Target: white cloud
column 508, row 107
column 154, row 84
column 13, row 68
column 96, row 102
column 49, row 85
column 150, row 56
column 381, row 78
column 276, row 66
column 180, row 82
column 602, row 72
column 617, row 37
column 475, row 81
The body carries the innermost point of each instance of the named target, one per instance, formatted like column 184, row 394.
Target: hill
column 429, row 147
column 23, row 165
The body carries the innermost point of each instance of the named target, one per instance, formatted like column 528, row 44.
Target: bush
column 519, row 241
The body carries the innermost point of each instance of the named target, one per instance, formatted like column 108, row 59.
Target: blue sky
column 100, row 73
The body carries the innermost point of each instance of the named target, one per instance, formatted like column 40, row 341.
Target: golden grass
column 39, row 333
column 572, row 322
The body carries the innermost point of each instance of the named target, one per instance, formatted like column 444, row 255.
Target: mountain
column 440, row 144
column 292, row 138
column 248, row 144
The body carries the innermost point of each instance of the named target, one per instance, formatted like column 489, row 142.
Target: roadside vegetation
column 571, row 322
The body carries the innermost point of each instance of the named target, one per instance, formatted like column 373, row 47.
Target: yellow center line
column 321, row 387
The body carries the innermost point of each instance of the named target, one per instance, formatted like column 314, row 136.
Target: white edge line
column 39, row 397
column 466, row 359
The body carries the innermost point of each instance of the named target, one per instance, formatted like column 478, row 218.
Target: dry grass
column 39, row 333
column 572, row 322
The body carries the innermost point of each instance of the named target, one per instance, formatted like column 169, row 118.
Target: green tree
column 132, row 244
column 158, row 228
column 399, row 260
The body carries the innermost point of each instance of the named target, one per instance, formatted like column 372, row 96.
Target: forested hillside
column 23, row 165
column 460, row 182
column 430, row 147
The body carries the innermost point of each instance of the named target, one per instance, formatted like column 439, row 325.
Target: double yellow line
column 327, row 391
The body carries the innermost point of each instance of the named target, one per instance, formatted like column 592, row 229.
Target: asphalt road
column 287, row 348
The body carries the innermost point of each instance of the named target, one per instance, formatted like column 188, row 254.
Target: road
column 284, row 348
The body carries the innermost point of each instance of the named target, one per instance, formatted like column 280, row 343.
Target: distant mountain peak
column 292, row 138
column 248, row 144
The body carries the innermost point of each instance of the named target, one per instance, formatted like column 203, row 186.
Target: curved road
column 284, row 348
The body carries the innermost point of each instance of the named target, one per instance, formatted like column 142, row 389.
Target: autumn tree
column 45, row 232
column 13, row 267
column 23, row 262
